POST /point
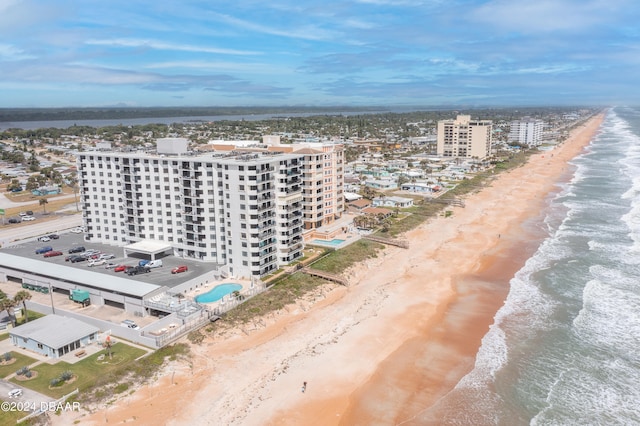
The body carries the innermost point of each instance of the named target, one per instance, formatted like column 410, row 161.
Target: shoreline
column 381, row 351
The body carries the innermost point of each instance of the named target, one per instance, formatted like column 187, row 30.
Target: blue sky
column 308, row 52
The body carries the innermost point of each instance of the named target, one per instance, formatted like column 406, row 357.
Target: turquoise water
column 217, row 293
column 333, row 243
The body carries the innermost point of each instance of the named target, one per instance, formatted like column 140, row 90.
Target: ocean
column 565, row 347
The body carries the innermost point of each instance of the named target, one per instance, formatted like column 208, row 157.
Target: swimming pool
column 333, row 243
column 217, row 293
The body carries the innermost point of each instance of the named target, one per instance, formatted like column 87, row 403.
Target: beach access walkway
column 325, row 275
column 388, row 241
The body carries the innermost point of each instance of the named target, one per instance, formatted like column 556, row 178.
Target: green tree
column 21, row 297
column 14, row 184
column 43, row 201
column 7, row 305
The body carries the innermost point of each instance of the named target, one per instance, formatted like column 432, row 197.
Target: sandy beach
column 381, row 351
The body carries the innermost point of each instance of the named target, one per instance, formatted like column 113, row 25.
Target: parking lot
column 161, row 276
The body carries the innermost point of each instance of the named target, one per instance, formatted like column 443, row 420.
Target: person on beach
column 304, row 386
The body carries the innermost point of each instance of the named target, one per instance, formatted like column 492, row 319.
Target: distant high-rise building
column 527, row 132
column 464, row 138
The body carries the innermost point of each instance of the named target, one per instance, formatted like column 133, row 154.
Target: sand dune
column 381, row 351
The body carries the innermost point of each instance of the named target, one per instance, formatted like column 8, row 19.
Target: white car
column 44, row 239
column 96, row 262
column 107, row 256
column 28, row 218
column 14, row 393
column 78, row 230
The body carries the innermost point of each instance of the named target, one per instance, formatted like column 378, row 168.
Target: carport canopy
column 149, row 247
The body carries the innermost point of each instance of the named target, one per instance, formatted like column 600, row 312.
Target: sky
column 62, row 53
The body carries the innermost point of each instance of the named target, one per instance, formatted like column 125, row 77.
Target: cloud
column 9, row 52
column 525, row 16
column 309, row 32
column 240, row 67
column 160, row 45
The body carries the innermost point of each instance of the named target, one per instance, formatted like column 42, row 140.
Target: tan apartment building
column 464, row 137
column 322, row 175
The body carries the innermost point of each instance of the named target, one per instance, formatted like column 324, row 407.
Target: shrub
column 28, row 374
column 121, row 387
column 55, row 382
column 7, row 356
column 67, row 375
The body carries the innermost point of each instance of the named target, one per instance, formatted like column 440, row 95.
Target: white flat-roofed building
column 464, row 138
column 239, row 212
column 526, row 132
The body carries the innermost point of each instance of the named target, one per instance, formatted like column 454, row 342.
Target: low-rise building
column 53, row 335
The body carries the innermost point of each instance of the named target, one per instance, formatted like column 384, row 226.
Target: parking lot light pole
column 53, row 309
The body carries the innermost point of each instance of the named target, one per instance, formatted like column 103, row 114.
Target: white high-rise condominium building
column 322, row 178
column 526, row 132
column 464, row 138
column 241, row 212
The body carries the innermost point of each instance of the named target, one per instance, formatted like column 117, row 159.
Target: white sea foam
column 610, row 316
column 564, row 347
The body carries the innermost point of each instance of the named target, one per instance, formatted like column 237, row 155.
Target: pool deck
column 210, row 286
column 349, row 238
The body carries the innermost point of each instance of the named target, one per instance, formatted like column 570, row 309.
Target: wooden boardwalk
column 397, row 243
column 449, row 201
column 325, row 275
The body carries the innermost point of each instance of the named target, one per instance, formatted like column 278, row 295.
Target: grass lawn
column 336, row 262
column 21, row 361
column 87, row 371
column 4, row 336
column 11, row 417
column 32, row 316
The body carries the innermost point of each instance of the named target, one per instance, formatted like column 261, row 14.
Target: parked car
column 178, row 269
column 135, row 270
column 29, row 213
column 78, row 249
column 70, row 257
column 154, row 264
column 130, row 324
column 28, row 218
column 22, row 214
column 44, row 239
column 96, row 262
column 76, row 259
column 43, row 250
column 14, row 393
column 110, row 265
column 107, row 256
column 15, row 220
column 143, row 262
column 53, row 236
column 53, row 253
column 120, row 268
column 77, row 230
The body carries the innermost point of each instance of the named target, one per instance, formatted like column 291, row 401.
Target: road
column 12, row 235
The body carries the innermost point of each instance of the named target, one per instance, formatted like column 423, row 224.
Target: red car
column 119, row 268
column 53, row 253
column 178, row 269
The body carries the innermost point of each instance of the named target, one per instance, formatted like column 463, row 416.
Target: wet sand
column 381, row 351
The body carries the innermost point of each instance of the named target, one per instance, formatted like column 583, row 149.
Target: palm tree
column 73, row 183
column 21, row 297
column 43, row 202
column 7, row 304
